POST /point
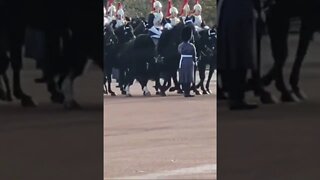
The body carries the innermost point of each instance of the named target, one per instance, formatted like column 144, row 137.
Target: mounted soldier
column 197, row 18
column 120, row 18
column 172, row 14
column 110, row 14
column 185, row 13
column 156, row 22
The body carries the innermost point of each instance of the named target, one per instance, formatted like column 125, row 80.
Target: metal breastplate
column 157, row 19
column 119, row 23
column 197, row 20
column 174, row 21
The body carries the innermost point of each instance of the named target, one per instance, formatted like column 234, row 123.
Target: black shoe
column 40, row 80
column 242, row 106
column 188, row 95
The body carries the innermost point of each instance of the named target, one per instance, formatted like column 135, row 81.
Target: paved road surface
column 160, row 137
column 48, row 142
column 275, row 142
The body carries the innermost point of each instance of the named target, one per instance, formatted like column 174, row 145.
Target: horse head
column 124, row 33
column 139, row 25
column 207, row 41
column 109, row 36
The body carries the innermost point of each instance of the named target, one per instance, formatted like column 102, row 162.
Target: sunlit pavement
column 157, row 137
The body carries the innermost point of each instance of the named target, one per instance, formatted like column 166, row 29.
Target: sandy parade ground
column 157, row 137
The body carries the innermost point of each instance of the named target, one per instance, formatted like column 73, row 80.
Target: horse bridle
column 207, row 50
column 110, row 39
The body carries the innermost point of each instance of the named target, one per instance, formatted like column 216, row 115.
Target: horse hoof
column 266, row 80
column 57, row 98
column 28, row 102
column 221, row 96
column 204, row 92
column 157, row 93
column 71, row 105
column 197, row 93
column 179, row 91
column 172, row 89
column 267, row 98
column 2, row 95
column 209, row 91
column 163, row 94
column 40, row 80
column 146, row 93
column 8, row 98
column 123, row 92
column 113, row 94
column 300, row 94
column 289, row 97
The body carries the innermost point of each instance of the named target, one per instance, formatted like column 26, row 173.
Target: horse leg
column 211, row 71
column 128, row 81
column 68, row 92
column 164, row 84
column 157, row 84
column 257, row 83
column 16, row 64
column 306, row 33
column 143, row 82
column 121, row 82
column 51, row 56
column 176, row 83
column 8, row 96
column 193, row 85
column 202, row 74
column 279, row 29
column 56, row 96
column 108, row 88
column 105, row 88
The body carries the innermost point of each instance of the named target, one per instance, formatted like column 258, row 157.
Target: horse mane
column 172, row 35
column 170, row 38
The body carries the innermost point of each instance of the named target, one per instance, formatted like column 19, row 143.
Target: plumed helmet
column 157, row 5
column 197, row 7
column 169, row 7
column 186, row 34
column 185, row 7
column 120, row 12
column 111, row 10
column 174, row 11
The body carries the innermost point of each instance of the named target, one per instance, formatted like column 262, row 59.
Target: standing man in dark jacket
column 236, row 48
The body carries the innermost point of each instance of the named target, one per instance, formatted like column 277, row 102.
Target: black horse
column 139, row 25
column 66, row 62
column 168, row 50
column 207, row 53
column 110, row 41
column 133, row 57
column 5, row 94
column 123, row 34
column 278, row 23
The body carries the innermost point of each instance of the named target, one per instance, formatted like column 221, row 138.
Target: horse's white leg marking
column 146, row 90
column 128, row 90
column 67, row 89
column 161, row 81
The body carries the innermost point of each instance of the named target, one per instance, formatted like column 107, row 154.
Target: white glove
column 168, row 26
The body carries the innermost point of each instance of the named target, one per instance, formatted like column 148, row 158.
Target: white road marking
column 204, row 169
